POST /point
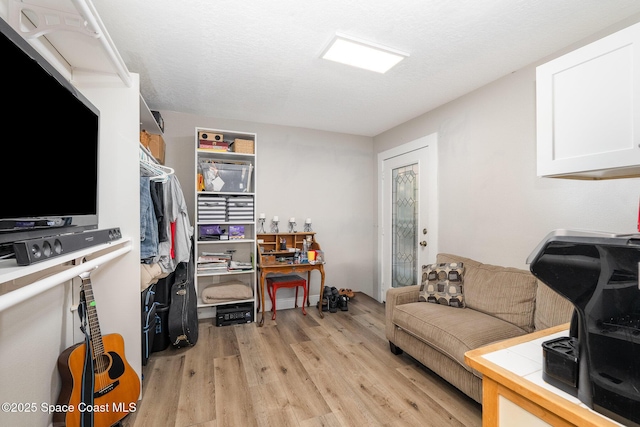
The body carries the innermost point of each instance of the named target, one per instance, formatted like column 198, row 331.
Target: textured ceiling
column 260, row 60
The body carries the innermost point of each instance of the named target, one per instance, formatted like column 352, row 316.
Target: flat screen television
column 49, row 150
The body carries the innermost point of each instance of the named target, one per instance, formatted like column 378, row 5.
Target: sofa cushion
column 452, row 332
column 443, row 284
column 551, row 308
column 504, row 292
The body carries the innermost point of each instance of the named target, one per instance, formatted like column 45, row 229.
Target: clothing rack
column 145, row 154
column 174, row 231
column 157, row 171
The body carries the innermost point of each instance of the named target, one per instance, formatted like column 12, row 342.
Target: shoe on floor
column 333, row 300
column 325, row 298
column 342, row 303
column 346, row 292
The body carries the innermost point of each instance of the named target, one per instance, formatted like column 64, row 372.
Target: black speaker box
column 234, row 314
column 41, row 249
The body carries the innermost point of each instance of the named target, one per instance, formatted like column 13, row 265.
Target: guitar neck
column 97, row 346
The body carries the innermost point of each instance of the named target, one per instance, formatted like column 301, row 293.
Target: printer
column 599, row 362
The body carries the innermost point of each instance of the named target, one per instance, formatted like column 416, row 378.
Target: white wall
column 493, row 208
column 301, row 173
column 117, row 284
column 32, row 336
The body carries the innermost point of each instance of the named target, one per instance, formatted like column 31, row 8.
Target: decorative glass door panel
column 408, row 208
column 404, row 225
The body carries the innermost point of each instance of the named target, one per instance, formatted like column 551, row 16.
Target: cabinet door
column 588, row 113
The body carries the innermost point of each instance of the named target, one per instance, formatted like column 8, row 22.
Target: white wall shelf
column 18, row 283
column 94, row 52
column 147, row 121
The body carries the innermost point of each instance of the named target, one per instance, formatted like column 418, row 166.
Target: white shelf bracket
column 33, row 21
column 27, row 292
column 45, row 20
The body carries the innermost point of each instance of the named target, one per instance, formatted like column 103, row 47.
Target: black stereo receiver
column 234, row 314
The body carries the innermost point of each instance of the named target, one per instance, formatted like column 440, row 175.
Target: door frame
column 431, row 143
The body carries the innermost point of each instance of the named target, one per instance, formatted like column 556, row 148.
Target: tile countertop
column 525, row 360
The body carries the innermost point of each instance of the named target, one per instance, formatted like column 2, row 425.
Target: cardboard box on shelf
column 155, row 144
column 243, row 146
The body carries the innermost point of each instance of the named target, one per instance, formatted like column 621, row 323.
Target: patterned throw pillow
column 443, row 284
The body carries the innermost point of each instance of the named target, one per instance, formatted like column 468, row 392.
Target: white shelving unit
column 225, row 205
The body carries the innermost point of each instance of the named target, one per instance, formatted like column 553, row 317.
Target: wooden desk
column 268, row 254
column 513, row 388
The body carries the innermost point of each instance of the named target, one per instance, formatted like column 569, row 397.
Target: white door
column 407, row 213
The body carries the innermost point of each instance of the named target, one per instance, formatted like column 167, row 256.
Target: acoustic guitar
column 116, row 384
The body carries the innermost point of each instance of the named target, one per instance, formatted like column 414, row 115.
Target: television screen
column 49, row 154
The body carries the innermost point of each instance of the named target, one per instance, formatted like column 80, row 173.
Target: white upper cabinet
column 588, row 110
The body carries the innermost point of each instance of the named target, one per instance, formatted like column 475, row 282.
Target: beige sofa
column 500, row 302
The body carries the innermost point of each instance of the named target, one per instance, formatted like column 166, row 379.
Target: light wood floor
column 297, row 371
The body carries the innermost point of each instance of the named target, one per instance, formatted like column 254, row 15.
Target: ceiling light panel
column 362, row 54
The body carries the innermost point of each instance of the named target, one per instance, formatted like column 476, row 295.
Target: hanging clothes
column 165, row 230
column 177, row 225
column 157, row 196
column 148, row 223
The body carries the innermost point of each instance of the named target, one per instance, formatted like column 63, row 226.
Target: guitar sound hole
column 102, row 363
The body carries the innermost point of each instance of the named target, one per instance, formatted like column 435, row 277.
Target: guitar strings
column 97, row 346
